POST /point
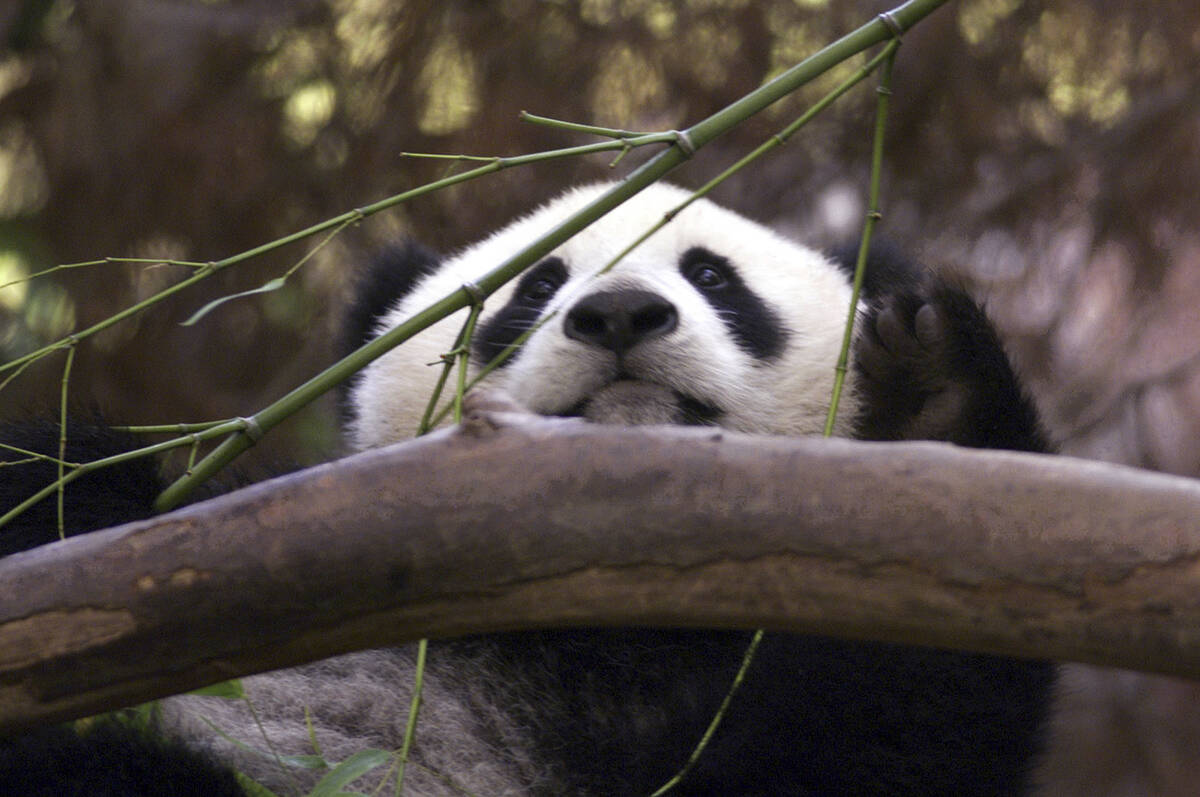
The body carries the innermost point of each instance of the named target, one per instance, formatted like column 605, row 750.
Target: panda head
column 713, row 320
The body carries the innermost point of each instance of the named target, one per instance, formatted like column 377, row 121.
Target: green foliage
column 349, row 771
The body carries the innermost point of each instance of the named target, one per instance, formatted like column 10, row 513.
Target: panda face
column 713, row 320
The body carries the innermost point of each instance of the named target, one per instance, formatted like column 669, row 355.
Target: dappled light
column 1046, row 153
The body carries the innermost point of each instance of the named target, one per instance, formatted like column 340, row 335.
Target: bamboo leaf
column 349, row 771
column 266, row 287
column 230, row 690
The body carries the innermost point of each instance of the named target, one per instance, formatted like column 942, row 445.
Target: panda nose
column 619, row 320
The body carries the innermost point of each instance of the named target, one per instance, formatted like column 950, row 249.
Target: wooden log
column 513, row 521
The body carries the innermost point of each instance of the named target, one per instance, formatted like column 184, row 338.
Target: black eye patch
column 754, row 325
column 534, row 290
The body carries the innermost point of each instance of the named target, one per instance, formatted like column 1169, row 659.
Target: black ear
column 391, row 274
column 888, row 270
column 387, row 279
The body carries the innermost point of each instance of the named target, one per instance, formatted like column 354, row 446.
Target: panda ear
column 389, row 276
column 888, row 271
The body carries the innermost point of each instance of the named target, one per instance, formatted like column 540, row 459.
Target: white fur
column 787, row 395
column 362, row 700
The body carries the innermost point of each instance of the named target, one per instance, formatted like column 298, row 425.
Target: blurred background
column 1048, row 151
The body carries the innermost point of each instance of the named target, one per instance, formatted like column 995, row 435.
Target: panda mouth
column 635, row 402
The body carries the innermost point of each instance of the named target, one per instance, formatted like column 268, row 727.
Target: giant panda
column 715, row 320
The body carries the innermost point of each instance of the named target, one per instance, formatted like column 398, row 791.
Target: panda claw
column 930, row 327
column 872, row 357
column 893, row 332
column 492, row 400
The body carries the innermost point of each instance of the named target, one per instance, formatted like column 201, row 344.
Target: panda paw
column 931, row 367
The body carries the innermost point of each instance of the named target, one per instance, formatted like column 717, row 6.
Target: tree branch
column 513, row 521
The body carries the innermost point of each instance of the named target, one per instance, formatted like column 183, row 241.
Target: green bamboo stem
column 576, row 127
column 738, row 678
column 172, row 428
column 62, row 437
column 410, row 728
column 149, row 261
column 864, row 247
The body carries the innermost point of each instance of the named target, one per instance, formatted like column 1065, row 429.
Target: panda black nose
column 619, row 320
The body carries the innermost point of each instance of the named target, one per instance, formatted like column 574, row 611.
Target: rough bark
column 517, row 522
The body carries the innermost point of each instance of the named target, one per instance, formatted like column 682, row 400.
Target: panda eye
column 538, row 285
column 706, row 276
column 539, row 290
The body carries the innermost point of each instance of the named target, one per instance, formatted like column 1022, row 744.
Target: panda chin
column 633, row 402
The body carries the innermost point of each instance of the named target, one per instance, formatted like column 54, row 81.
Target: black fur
column 815, row 715
column 122, row 493
column 750, row 321
column 931, row 368
column 888, row 271
column 388, row 279
column 108, row 759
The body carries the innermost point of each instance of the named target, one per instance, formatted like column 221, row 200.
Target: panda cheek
column 548, row 375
